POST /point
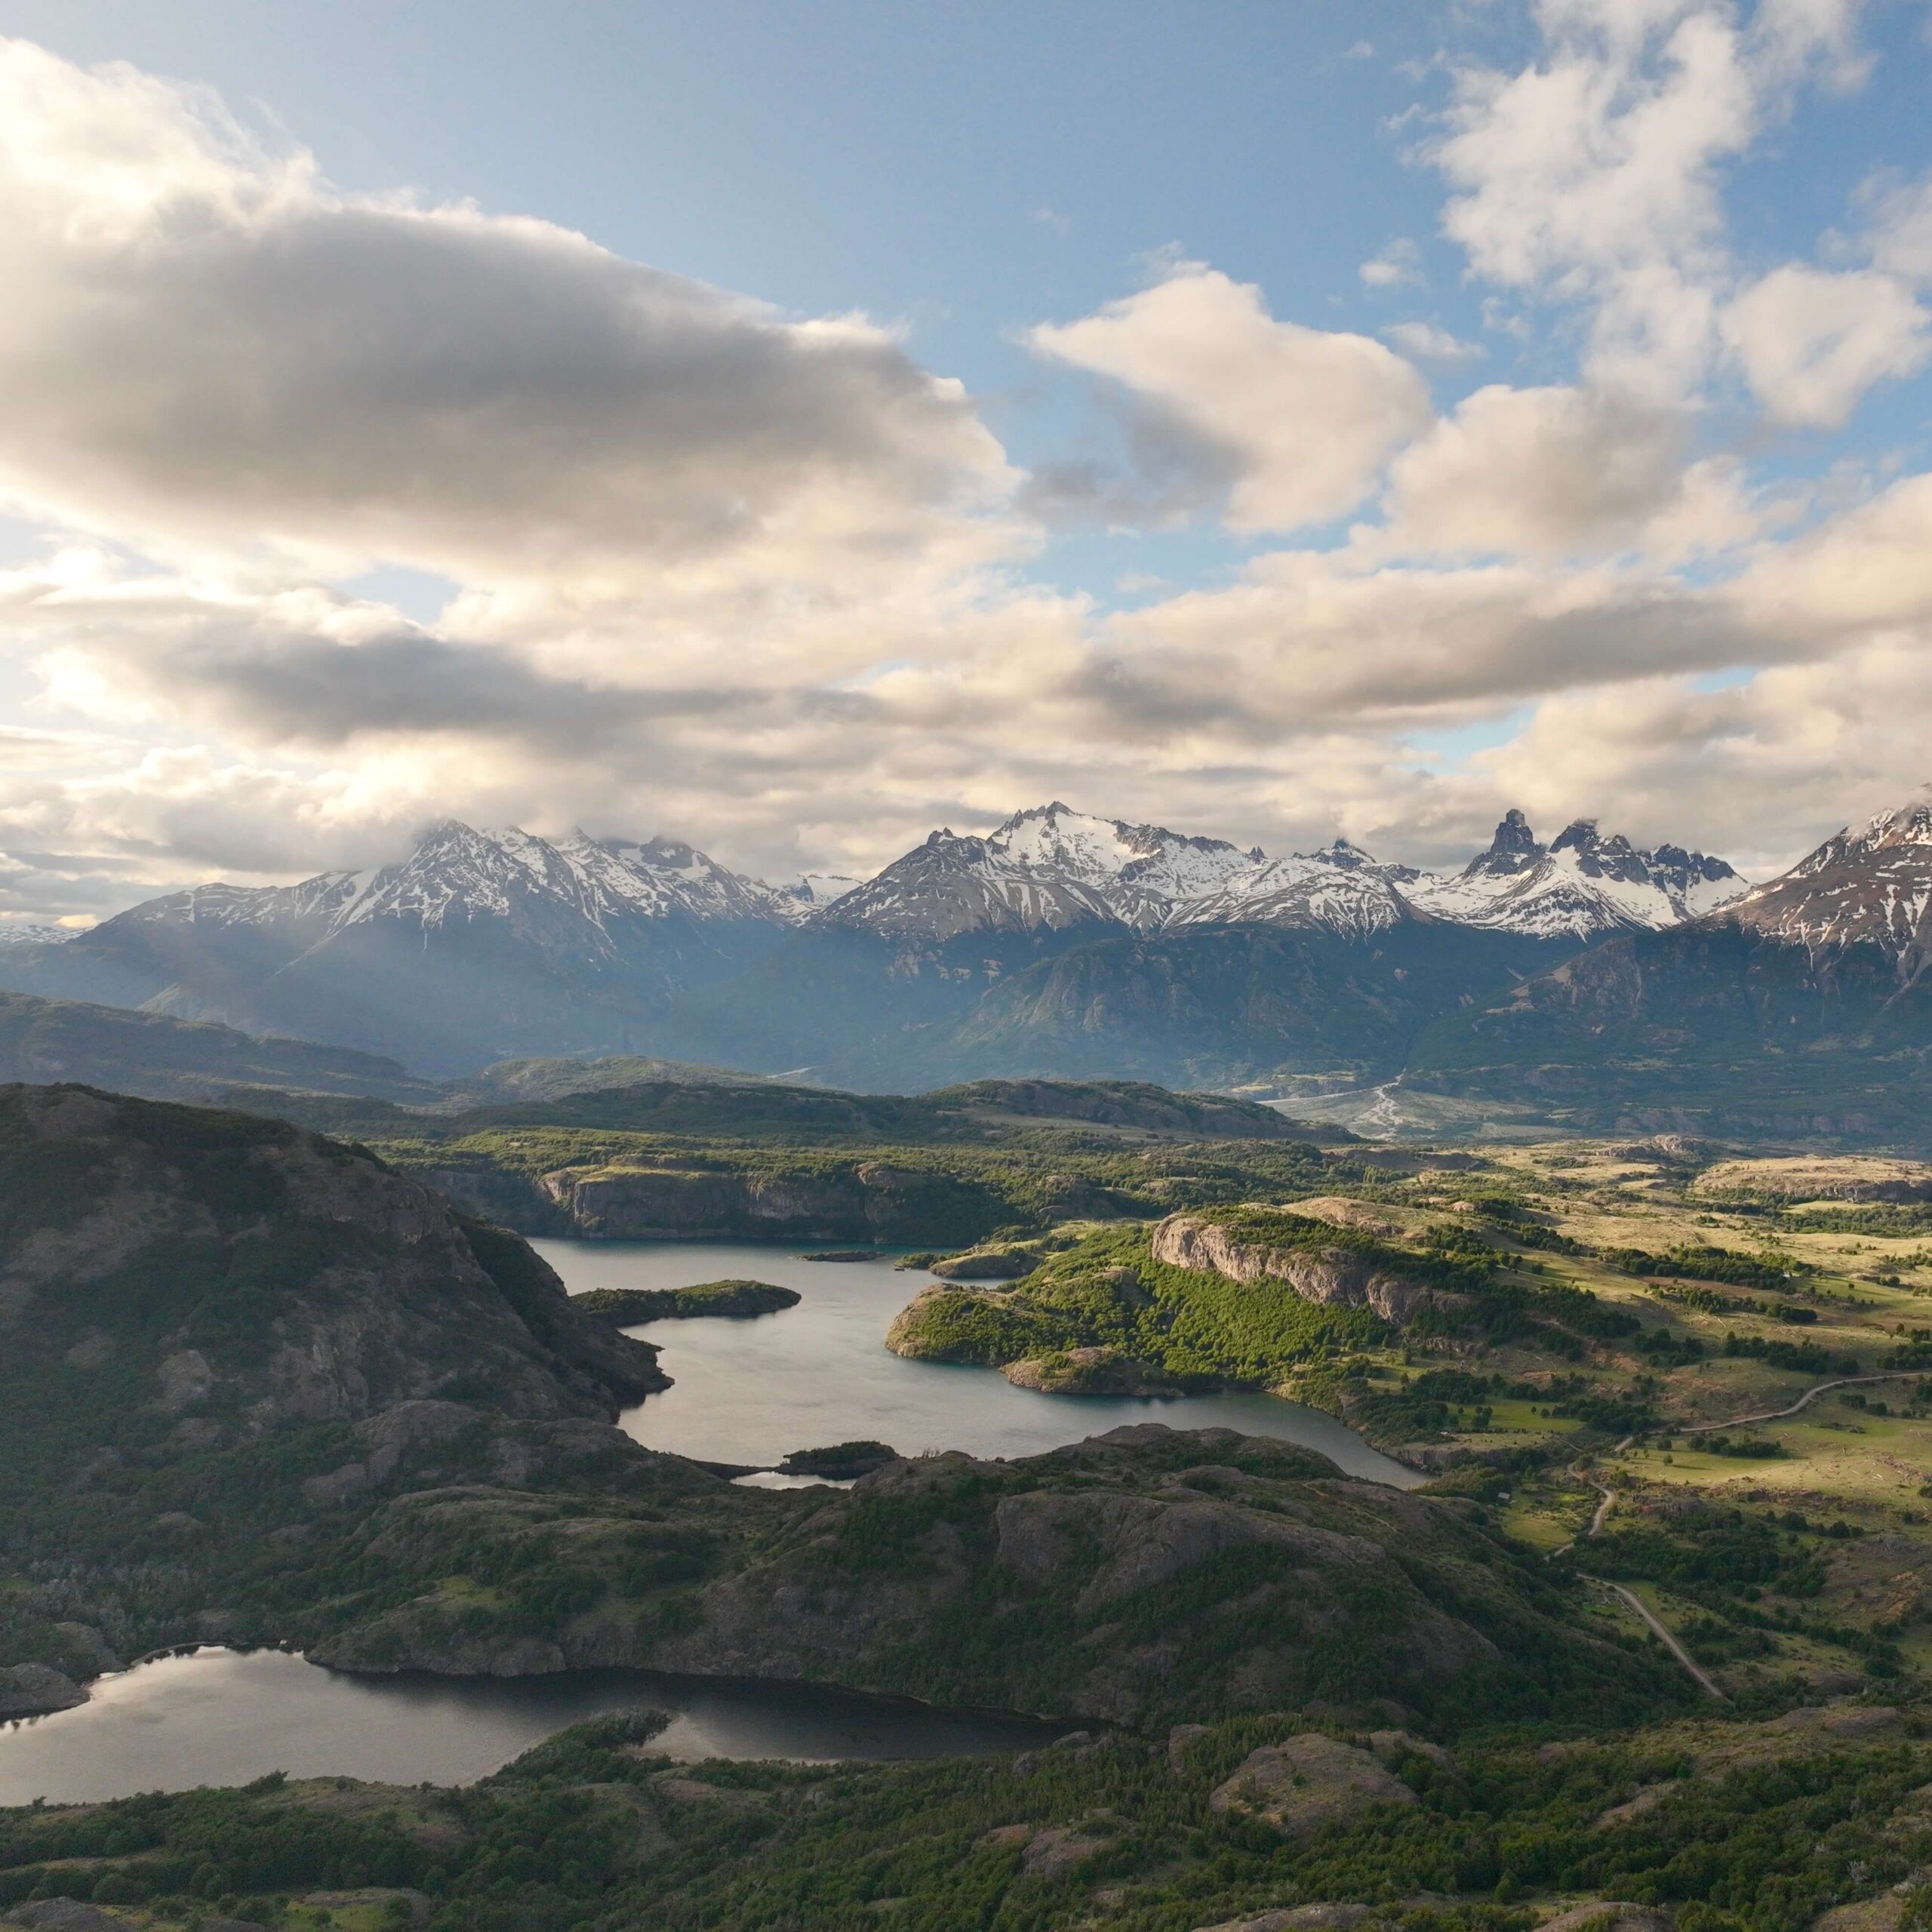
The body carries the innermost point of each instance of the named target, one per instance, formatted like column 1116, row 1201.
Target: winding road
column 1607, row 1501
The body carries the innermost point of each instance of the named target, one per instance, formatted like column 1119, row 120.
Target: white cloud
column 1293, row 424
column 1901, row 232
column 1761, row 769
column 1428, row 343
column 704, row 553
column 1812, row 341
column 207, row 349
column 1398, row 266
column 1540, row 472
column 1594, row 176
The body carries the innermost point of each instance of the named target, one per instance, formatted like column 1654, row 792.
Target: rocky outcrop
column 32, row 1690
column 990, row 1264
column 1345, row 1277
column 1326, row 1915
column 1093, row 1371
column 871, row 1201
column 250, row 1274
column 1608, row 1915
column 1307, row 1782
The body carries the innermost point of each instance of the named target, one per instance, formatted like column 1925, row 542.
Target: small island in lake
column 839, row 1462
column 627, row 1308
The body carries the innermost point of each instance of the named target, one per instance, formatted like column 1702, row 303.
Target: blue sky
column 1598, row 496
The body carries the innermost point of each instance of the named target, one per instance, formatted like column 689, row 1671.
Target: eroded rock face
column 1341, row 1276
column 1306, row 1782
column 873, row 1201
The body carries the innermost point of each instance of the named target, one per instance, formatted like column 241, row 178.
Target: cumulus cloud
column 207, row 346
column 1763, row 769
column 1812, row 341
column 1291, row 425
column 1594, row 175
column 702, row 553
column 1542, row 471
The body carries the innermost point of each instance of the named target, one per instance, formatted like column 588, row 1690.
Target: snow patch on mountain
column 1340, row 889
column 1870, row 885
column 1581, row 884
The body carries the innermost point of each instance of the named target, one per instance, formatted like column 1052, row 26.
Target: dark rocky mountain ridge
column 1800, row 1007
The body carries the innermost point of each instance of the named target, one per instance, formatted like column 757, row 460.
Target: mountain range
column 483, row 945
column 1587, row 976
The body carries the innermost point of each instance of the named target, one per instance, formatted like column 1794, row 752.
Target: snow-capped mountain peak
column 1871, row 885
column 1339, row 889
column 1580, row 884
column 955, row 884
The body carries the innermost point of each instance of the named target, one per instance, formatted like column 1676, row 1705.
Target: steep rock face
column 256, row 1276
column 1340, row 1276
column 871, row 1201
column 1716, row 1026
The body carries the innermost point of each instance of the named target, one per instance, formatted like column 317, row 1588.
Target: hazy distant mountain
column 43, row 1040
column 482, row 947
column 1801, row 1006
column 477, row 947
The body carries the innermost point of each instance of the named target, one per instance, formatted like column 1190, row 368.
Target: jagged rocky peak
column 1598, row 857
column 1869, row 884
column 1340, row 852
column 1513, row 850
column 1582, row 884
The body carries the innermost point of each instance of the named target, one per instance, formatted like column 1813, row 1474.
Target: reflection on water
column 753, row 1391
column 224, row 1717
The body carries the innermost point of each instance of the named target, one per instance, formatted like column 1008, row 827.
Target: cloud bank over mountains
column 699, row 563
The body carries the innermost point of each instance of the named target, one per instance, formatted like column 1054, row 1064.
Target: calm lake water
column 751, row 1391
column 224, row 1717
column 744, row 1392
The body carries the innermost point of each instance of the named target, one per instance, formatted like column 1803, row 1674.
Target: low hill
column 1134, row 1106
column 45, row 1040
